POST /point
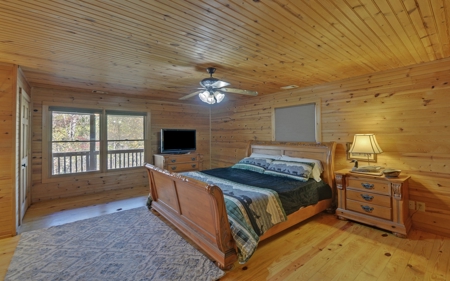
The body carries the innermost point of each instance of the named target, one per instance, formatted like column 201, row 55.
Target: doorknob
column 24, row 165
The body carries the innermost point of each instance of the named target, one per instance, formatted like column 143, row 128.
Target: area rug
column 127, row 245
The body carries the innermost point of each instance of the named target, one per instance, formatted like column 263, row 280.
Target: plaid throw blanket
column 251, row 211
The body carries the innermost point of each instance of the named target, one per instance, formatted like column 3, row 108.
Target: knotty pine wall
column 7, row 148
column 163, row 115
column 407, row 109
column 10, row 81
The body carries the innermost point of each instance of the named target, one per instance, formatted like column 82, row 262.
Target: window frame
column 47, row 177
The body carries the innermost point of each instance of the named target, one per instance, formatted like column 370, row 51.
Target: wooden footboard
column 196, row 209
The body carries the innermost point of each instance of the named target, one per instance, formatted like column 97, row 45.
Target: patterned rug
column 128, row 245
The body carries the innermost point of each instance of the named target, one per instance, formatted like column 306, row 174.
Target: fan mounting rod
column 211, row 70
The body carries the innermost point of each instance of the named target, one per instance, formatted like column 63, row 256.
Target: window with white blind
column 298, row 123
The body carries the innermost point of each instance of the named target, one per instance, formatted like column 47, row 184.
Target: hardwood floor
column 322, row 248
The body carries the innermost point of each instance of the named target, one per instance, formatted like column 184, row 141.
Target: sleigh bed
column 194, row 203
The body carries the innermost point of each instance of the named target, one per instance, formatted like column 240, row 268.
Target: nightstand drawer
column 370, row 185
column 181, row 159
column 182, row 167
column 367, row 197
column 369, row 209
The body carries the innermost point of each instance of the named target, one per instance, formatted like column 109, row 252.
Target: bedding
column 255, row 202
column 293, row 194
column 251, row 211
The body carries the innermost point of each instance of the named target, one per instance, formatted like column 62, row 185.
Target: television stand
column 179, row 162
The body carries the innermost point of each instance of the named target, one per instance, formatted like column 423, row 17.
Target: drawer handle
column 367, row 208
column 193, row 165
column 173, row 160
column 173, row 168
column 367, row 185
column 367, row 197
column 193, row 158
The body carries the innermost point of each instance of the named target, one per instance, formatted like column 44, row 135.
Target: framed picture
column 359, row 156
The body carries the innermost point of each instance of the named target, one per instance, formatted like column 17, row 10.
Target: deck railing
column 85, row 161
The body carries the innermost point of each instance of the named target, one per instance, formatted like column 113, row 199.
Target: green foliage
column 125, row 132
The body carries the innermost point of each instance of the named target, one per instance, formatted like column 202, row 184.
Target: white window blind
column 296, row 123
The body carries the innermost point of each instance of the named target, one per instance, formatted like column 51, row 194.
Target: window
column 75, row 141
column 297, row 123
column 125, row 139
column 89, row 140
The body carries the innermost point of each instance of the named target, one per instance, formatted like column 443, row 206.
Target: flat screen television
column 178, row 141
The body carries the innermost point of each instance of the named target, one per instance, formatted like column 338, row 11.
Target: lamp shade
column 365, row 143
column 219, row 96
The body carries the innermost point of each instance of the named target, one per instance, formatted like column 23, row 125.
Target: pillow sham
column 268, row 156
column 294, row 170
column 258, row 165
column 317, row 170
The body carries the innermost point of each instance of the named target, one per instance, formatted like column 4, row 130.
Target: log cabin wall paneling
column 406, row 108
column 163, row 115
column 8, row 78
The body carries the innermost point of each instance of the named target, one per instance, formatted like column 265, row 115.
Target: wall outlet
column 412, row 205
column 420, row 206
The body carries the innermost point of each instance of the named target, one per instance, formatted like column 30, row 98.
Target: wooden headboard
column 321, row 151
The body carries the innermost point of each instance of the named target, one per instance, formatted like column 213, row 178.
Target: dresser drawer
column 367, row 197
column 182, row 167
column 369, row 209
column 369, row 185
column 181, row 159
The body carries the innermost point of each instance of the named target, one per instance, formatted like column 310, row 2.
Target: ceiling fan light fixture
column 219, row 96
column 204, row 96
column 207, row 97
column 214, row 89
column 211, row 99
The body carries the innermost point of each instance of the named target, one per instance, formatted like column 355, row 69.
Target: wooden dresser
column 374, row 200
column 179, row 162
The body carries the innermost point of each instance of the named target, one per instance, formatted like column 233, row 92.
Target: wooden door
column 24, row 152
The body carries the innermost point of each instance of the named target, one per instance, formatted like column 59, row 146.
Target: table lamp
column 366, row 144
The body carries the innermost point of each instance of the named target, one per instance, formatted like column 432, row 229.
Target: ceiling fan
column 213, row 90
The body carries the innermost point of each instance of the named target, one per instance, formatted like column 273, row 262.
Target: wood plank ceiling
column 160, row 49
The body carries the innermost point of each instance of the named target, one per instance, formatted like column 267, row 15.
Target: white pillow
column 267, row 156
column 317, row 170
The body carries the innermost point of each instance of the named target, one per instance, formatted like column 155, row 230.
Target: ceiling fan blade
column 191, row 95
column 219, row 84
column 239, row 91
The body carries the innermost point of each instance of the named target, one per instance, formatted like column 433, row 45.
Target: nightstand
column 375, row 200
